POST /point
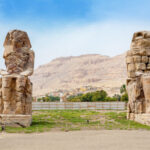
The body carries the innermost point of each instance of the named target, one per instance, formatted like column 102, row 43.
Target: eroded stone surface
column 138, row 82
column 19, row 58
column 15, row 86
column 15, row 120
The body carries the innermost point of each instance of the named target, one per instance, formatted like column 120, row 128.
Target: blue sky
column 57, row 12
column 74, row 27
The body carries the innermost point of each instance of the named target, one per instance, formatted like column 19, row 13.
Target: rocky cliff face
column 72, row 72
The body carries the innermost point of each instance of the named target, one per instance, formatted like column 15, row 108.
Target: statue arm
column 30, row 65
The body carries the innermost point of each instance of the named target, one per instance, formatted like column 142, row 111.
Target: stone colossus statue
column 15, row 86
column 138, row 82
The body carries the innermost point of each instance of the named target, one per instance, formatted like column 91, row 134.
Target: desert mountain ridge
column 66, row 73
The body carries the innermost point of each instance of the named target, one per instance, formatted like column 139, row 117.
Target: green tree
column 99, row 96
column 110, row 99
column 86, row 97
column 39, row 99
column 123, row 89
column 94, row 97
column 124, row 93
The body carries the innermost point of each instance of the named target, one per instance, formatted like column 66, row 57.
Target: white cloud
column 106, row 38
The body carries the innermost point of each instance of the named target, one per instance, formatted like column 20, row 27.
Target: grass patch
column 71, row 120
column 120, row 122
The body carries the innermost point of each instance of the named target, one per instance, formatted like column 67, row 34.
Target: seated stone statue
column 15, row 86
column 138, row 82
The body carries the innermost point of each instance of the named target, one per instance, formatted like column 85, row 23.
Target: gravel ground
column 77, row 140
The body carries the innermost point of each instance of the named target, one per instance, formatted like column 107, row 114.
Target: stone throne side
column 16, row 95
column 138, row 82
column 15, row 101
column 15, row 87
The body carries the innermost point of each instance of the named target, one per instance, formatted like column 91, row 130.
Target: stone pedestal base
column 15, row 120
column 141, row 118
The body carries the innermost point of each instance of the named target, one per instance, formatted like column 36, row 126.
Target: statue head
column 16, row 53
column 138, row 57
column 17, row 39
column 141, row 40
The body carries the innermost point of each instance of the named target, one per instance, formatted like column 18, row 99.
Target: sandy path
column 77, row 140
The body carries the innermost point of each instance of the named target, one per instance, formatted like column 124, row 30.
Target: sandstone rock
column 148, row 67
column 137, row 59
column 147, row 51
column 138, row 86
column 141, row 52
column 145, row 59
column 15, row 120
column 17, row 54
column 148, row 59
column 15, row 87
column 0, row 82
column 146, row 89
column 129, row 53
column 131, row 74
column 140, row 41
column 131, row 67
column 140, row 66
column 129, row 59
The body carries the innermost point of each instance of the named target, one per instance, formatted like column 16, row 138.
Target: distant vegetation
column 100, row 96
column 49, row 99
column 124, row 93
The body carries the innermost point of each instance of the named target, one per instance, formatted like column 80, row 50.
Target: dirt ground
column 77, row 140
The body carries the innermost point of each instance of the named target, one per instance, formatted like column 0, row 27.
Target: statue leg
column 139, row 107
column 28, row 106
column 20, row 94
column 1, row 102
column 6, row 94
column 146, row 89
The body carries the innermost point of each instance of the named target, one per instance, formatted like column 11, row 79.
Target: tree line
column 100, row 96
column 49, row 99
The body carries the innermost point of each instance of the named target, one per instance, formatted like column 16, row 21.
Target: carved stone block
column 129, row 59
column 131, row 67
column 140, row 66
column 137, row 59
column 145, row 59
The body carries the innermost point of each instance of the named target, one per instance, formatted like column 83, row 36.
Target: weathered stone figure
column 15, row 87
column 138, row 82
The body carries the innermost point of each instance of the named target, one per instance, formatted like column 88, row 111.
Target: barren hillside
column 72, row 72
